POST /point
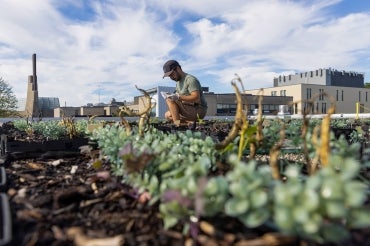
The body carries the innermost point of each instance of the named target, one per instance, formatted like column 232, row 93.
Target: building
column 33, row 105
column 326, row 77
column 87, row 111
column 218, row 104
column 317, row 90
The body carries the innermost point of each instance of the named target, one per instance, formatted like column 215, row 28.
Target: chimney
column 34, row 76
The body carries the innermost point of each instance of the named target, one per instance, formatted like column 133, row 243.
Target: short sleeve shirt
column 188, row 85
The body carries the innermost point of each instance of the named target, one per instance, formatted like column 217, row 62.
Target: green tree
column 367, row 84
column 8, row 101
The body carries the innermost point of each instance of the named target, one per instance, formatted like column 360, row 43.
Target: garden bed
column 53, row 205
column 64, row 198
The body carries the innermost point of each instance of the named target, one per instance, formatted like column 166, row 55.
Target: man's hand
column 174, row 97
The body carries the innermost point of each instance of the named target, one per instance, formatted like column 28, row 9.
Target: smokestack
column 34, row 76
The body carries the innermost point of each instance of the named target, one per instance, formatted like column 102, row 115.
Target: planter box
column 8, row 146
column 2, row 180
column 5, row 220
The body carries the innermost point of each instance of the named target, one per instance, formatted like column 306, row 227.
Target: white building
column 317, row 90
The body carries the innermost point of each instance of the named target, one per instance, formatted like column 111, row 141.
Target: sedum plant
column 249, row 189
column 52, row 130
column 178, row 170
column 323, row 206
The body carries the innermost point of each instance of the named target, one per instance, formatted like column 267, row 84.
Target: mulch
column 62, row 198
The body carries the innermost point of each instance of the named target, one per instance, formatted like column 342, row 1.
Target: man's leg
column 173, row 110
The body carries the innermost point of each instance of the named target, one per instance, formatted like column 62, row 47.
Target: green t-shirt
column 188, row 85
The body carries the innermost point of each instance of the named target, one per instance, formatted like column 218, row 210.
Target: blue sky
column 90, row 51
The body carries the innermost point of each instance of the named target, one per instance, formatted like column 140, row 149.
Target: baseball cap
column 169, row 66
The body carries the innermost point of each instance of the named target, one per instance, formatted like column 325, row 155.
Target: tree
column 367, row 85
column 8, row 101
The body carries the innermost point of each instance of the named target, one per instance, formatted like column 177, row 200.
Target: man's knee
column 168, row 115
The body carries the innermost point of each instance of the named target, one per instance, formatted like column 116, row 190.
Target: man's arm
column 194, row 97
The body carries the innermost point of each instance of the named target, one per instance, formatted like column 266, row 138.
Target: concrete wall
column 66, row 112
column 91, row 111
column 112, row 110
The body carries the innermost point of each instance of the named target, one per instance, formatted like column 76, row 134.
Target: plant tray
column 2, row 179
column 51, row 145
column 5, row 220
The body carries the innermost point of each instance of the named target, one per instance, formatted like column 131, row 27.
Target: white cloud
column 125, row 44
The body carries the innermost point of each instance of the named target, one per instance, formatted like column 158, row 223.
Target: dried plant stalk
column 240, row 119
column 259, row 134
column 274, row 155
column 323, row 146
column 144, row 114
column 325, row 137
column 127, row 125
column 315, row 142
column 305, row 126
column 68, row 122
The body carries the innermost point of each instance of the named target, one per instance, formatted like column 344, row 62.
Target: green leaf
column 258, row 198
column 169, row 221
column 284, row 219
column 282, row 196
column 350, row 169
column 334, row 233
column 300, row 214
column 309, row 200
column 255, row 217
column 211, row 187
column 359, row 218
column 313, row 182
column 312, row 224
column 292, row 172
column 355, row 193
column 235, row 207
column 335, row 209
column 332, row 189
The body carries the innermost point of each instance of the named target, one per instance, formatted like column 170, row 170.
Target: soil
column 60, row 198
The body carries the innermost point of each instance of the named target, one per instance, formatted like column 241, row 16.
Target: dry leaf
column 80, row 239
column 74, row 169
column 97, row 164
column 35, row 165
column 56, row 162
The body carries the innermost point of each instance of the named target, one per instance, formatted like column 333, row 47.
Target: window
column 226, row 109
column 342, row 96
column 308, row 93
column 362, row 108
column 359, row 96
column 366, row 96
column 337, row 95
column 323, row 108
column 321, row 94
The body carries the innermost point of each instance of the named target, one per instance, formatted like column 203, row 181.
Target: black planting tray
column 2, row 179
column 10, row 146
column 5, row 220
